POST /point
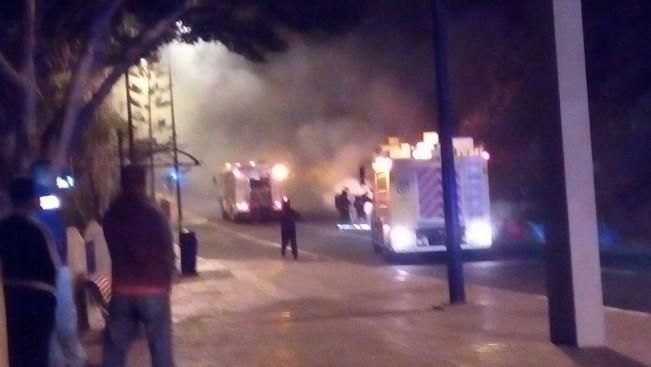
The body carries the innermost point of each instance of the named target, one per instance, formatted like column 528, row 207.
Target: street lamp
column 446, row 130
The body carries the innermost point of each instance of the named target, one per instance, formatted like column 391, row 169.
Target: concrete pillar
column 573, row 269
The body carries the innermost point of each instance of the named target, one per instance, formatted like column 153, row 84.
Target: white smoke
column 322, row 108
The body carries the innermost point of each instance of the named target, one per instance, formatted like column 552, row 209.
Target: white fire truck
column 252, row 191
column 408, row 215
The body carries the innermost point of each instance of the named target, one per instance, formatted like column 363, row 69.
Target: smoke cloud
column 321, row 108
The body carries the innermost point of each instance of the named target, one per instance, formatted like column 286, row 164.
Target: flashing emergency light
column 50, row 202
column 382, row 164
column 175, row 176
column 65, row 182
column 279, row 172
column 422, row 151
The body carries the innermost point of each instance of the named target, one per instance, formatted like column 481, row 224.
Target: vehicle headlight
column 242, row 206
column 279, row 172
column 479, row 233
column 402, row 238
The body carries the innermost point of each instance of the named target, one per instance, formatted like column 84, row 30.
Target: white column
column 579, row 176
column 4, row 352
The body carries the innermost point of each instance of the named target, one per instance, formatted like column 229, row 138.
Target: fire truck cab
column 252, row 191
column 408, row 214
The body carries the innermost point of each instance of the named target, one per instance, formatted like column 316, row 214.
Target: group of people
column 343, row 206
column 37, row 284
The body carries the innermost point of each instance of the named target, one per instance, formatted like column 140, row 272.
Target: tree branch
column 78, row 119
column 10, row 73
column 143, row 42
column 81, row 76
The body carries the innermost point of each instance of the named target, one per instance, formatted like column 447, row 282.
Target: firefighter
column 288, row 229
column 342, row 203
column 358, row 203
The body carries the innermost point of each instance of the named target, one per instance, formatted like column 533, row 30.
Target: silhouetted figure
column 140, row 242
column 359, row 208
column 29, row 268
column 342, row 203
column 288, row 229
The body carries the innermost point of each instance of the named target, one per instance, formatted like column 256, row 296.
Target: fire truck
column 252, row 191
column 408, row 214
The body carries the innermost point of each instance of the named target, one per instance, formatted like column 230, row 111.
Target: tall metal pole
column 176, row 151
column 152, row 174
column 120, row 148
column 130, row 120
column 446, row 131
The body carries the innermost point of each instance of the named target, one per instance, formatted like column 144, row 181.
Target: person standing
column 66, row 349
column 29, row 265
column 288, row 229
column 139, row 239
column 343, row 206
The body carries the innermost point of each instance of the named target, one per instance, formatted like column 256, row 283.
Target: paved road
column 625, row 287
column 339, row 305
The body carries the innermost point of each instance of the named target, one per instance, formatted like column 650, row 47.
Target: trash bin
column 188, row 244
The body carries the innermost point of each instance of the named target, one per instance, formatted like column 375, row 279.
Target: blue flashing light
column 174, row 176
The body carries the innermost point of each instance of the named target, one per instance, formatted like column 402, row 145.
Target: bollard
column 189, row 245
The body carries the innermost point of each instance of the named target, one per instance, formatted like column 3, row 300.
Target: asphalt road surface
column 625, row 286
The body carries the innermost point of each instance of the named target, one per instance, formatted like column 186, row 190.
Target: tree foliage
column 59, row 59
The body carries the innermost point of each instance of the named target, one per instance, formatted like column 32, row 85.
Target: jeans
column 126, row 312
column 30, row 320
column 65, row 348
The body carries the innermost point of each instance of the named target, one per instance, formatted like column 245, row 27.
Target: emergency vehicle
column 253, row 191
column 408, row 214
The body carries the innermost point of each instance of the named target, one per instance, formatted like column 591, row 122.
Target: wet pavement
column 249, row 307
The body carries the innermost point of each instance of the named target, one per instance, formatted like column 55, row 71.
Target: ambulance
column 408, row 214
column 252, row 191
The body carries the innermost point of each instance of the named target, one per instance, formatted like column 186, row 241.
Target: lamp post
column 446, row 130
column 131, row 151
column 152, row 172
column 175, row 149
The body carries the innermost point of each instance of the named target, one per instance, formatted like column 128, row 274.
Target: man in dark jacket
column 342, row 204
column 140, row 243
column 288, row 229
column 29, row 265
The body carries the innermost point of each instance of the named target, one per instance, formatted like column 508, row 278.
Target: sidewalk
column 321, row 313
